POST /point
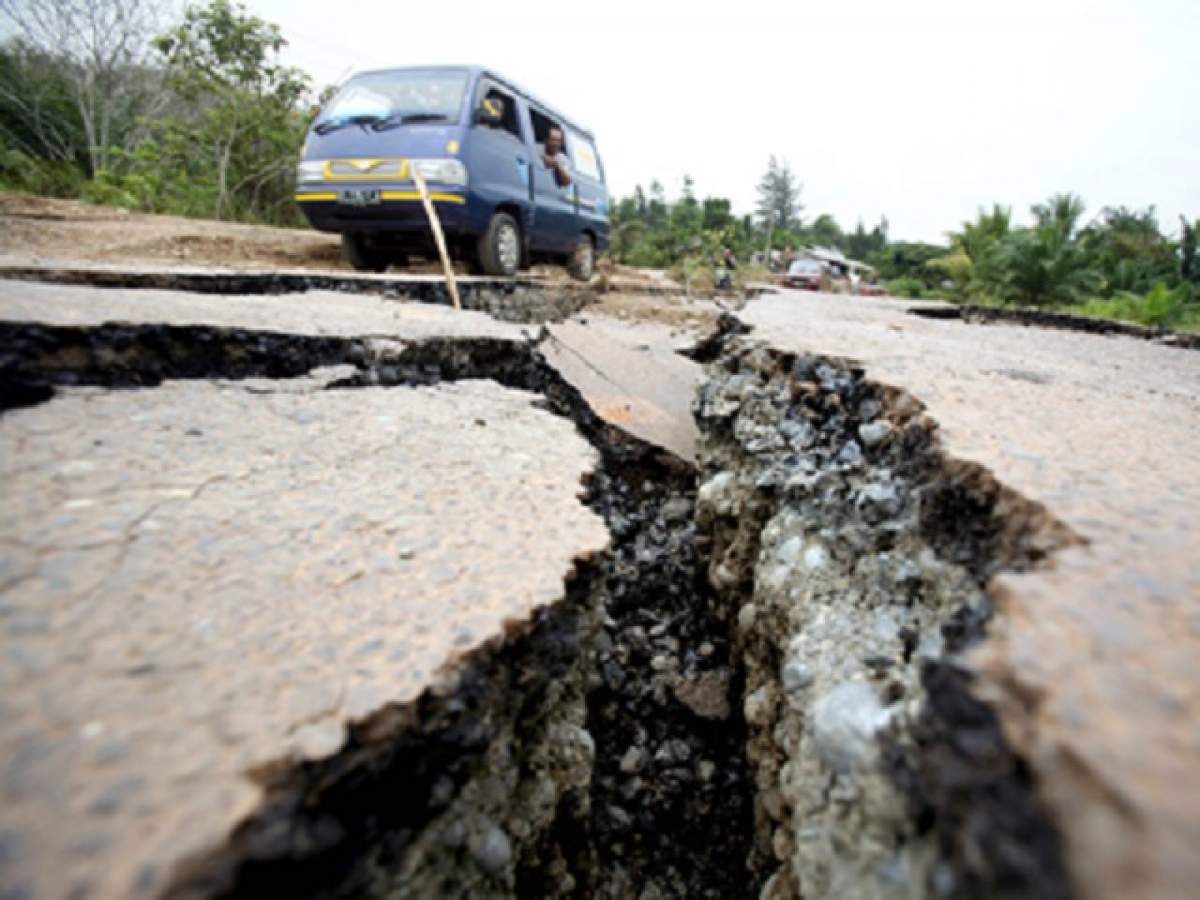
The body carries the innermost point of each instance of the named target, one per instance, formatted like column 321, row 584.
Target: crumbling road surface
column 338, row 593
column 1091, row 657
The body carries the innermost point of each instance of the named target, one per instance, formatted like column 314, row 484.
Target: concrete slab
column 632, row 376
column 310, row 313
column 201, row 580
column 520, row 299
column 1093, row 659
column 630, row 373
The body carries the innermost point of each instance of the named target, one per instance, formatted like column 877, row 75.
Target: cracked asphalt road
column 1093, row 660
column 206, row 578
column 221, row 511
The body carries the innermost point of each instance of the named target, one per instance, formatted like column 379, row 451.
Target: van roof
column 495, row 76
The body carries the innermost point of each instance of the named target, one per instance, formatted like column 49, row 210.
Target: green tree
column 656, row 207
column 1061, row 212
column 1129, row 250
column 825, row 232
column 717, row 214
column 38, row 116
column 1045, row 265
column 906, row 260
column 980, row 242
column 1189, row 260
column 689, row 191
column 244, row 125
column 43, row 145
column 779, row 205
column 100, row 54
column 862, row 243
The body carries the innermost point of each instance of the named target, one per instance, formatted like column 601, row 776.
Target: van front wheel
column 583, row 260
column 361, row 255
column 500, row 246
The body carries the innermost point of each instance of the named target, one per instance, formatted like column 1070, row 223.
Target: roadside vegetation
column 189, row 111
column 1119, row 264
column 111, row 101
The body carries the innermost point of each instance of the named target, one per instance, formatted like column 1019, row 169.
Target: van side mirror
column 488, row 112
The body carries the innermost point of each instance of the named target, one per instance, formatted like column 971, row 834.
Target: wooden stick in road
column 438, row 237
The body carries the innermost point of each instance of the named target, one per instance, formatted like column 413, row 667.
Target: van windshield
column 397, row 97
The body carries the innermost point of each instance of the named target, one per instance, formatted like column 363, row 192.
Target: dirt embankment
column 46, row 227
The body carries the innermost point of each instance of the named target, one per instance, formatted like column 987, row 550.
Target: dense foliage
column 213, row 129
column 1118, row 264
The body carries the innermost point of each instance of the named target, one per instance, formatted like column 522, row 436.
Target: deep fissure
column 856, row 555
column 630, row 727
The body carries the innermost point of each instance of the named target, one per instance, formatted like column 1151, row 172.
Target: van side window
column 510, row 121
column 585, row 159
column 541, row 128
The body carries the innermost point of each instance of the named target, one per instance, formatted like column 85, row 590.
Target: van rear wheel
column 500, row 246
column 583, row 261
column 361, row 255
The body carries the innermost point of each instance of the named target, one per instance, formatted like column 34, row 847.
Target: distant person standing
column 725, row 269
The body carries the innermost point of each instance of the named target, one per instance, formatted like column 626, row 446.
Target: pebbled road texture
column 1094, row 660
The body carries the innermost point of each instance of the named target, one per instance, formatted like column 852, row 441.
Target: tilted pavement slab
column 1093, row 659
column 632, row 376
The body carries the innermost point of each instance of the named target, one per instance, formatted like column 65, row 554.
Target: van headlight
column 443, row 171
column 310, row 170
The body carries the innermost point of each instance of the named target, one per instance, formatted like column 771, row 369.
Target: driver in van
column 554, row 158
column 494, row 104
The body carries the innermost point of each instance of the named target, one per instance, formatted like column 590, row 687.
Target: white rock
column 845, row 721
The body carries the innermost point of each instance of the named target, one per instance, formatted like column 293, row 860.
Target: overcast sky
column 920, row 110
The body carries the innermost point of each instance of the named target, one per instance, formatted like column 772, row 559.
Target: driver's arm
column 562, row 173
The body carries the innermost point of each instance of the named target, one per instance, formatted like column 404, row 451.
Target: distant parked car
column 806, row 275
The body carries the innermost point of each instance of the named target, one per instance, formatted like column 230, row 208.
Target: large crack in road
column 758, row 689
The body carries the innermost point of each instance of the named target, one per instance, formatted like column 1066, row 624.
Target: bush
column 1160, row 307
column 695, row 273
column 910, row 287
column 752, row 273
column 22, row 172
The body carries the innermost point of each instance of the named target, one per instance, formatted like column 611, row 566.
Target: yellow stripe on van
column 384, row 195
column 414, row 195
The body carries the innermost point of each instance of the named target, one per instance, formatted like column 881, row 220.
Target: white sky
column 921, row 110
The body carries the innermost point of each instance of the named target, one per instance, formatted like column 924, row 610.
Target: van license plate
column 360, row 197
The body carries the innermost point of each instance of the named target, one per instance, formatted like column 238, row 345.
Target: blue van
column 479, row 141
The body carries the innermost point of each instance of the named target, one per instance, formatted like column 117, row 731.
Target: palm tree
column 1044, row 266
column 979, row 242
column 1062, row 211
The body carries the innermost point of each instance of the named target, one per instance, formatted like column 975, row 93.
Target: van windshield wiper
column 334, row 124
column 396, row 120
